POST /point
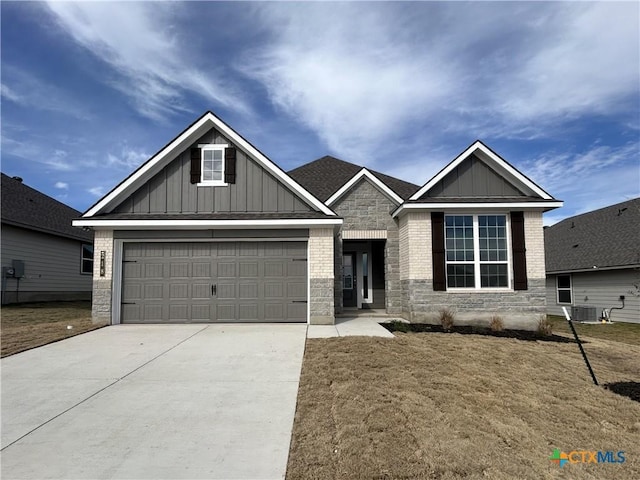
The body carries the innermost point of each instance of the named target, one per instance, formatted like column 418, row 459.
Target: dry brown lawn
column 32, row 325
column 438, row 405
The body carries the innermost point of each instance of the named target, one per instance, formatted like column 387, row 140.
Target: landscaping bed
column 26, row 326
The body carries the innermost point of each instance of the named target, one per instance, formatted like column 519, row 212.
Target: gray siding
column 170, row 191
column 52, row 266
column 474, row 178
column 601, row 290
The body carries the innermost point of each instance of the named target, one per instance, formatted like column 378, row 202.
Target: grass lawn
column 438, row 405
column 32, row 325
column 617, row 331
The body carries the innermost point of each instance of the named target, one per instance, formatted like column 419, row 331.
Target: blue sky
column 91, row 90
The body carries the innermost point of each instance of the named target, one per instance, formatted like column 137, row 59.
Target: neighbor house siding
column 365, row 208
column 52, row 267
column 171, row 190
column 601, row 290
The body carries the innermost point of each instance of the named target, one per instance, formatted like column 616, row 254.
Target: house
column 44, row 258
column 593, row 264
column 210, row 229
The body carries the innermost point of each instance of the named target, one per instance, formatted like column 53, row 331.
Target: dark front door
column 349, row 292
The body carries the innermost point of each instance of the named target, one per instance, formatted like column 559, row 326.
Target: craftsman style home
column 211, row 230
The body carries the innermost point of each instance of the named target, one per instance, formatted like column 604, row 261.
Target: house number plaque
column 103, row 259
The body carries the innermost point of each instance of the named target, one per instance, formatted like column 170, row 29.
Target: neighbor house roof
column 605, row 238
column 325, row 176
column 25, row 207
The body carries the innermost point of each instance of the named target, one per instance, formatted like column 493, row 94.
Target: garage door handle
column 214, row 290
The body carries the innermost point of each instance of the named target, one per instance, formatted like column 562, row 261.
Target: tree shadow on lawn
column 473, row 330
column 626, row 389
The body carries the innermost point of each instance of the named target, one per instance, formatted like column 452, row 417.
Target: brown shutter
column 437, row 236
column 195, row 165
column 230, row 165
column 519, row 251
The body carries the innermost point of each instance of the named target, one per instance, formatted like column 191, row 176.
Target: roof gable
column 325, row 176
column 183, row 141
column 497, row 178
column 364, row 175
column 26, row 207
column 605, row 238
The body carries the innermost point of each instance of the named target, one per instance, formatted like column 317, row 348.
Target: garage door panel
column 254, row 282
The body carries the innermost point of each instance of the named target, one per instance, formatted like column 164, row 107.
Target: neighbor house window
column 476, row 251
column 563, row 288
column 212, row 167
column 86, row 260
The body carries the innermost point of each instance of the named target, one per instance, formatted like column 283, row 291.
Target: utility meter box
column 18, row 268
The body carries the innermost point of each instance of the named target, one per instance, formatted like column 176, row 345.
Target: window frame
column 84, row 259
column 212, row 147
column 570, row 289
column 476, row 254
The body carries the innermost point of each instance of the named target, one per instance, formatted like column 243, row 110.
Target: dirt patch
column 442, row 405
column 32, row 325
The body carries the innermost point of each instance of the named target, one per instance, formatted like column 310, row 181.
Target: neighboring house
column 209, row 229
column 593, row 261
column 44, row 258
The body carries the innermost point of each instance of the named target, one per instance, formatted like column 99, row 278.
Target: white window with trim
column 212, row 164
column 564, row 293
column 86, row 259
column 477, row 252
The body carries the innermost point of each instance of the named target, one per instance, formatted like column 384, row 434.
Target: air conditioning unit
column 584, row 314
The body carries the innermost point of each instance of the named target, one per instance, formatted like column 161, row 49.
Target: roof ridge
column 38, row 192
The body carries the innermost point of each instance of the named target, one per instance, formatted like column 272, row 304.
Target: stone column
column 102, row 285
column 321, row 276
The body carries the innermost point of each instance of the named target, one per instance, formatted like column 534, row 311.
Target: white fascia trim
column 208, row 118
column 373, row 179
column 204, row 224
column 593, row 270
column 476, row 206
column 478, row 145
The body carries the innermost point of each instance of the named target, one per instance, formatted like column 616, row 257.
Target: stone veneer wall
column 420, row 303
column 364, row 207
column 102, row 286
column 321, row 277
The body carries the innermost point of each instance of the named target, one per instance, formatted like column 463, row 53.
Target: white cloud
column 128, row 158
column 96, row 191
column 364, row 76
column 62, row 185
column 27, row 90
column 35, row 152
column 139, row 41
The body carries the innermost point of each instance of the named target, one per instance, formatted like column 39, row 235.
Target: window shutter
column 519, row 251
column 195, row 165
column 230, row 165
column 437, row 236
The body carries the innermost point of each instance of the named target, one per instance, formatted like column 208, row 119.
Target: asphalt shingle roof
column 325, row 176
column 26, row 207
column 608, row 237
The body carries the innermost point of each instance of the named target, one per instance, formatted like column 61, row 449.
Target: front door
column 349, row 292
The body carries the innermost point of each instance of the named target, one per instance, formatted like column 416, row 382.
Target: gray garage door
column 214, row 282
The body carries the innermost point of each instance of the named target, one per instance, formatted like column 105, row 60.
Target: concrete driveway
column 153, row 401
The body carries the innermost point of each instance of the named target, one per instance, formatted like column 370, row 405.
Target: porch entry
column 363, row 285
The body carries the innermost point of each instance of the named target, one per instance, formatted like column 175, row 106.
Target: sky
column 90, row 91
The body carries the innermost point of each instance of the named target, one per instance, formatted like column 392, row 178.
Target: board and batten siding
column 601, row 290
column 52, row 266
column 171, row 190
column 474, row 178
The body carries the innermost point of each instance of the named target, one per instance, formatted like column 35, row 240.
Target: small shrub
column 398, row 326
column 545, row 328
column 447, row 318
column 496, row 324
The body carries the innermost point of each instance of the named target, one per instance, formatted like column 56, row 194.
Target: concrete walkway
column 153, row 402
column 351, row 326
